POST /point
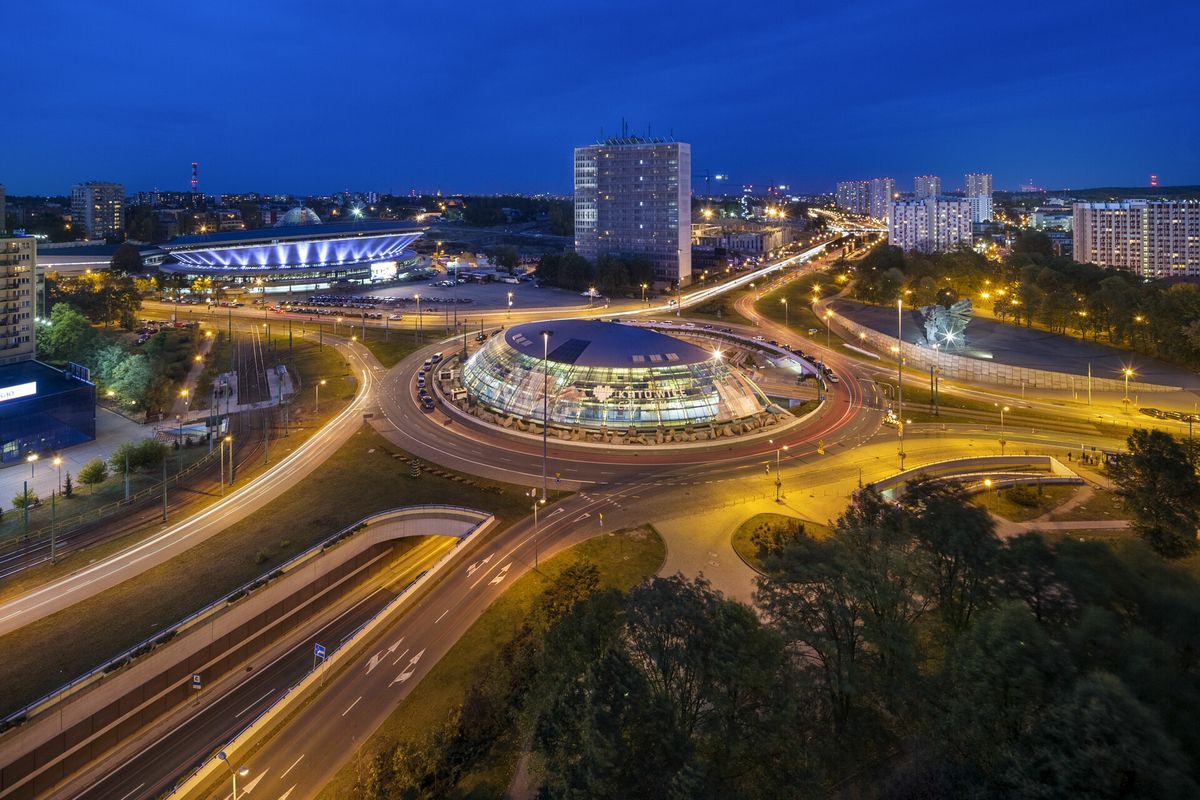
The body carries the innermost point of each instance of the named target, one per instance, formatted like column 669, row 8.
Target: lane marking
column 402, row 655
column 352, row 705
column 252, row 705
column 289, row 769
column 439, row 619
column 135, row 791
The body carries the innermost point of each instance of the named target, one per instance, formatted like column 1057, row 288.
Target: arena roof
column 591, row 343
column 299, row 232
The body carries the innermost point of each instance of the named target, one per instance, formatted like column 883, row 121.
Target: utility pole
column 164, row 488
column 900, row 374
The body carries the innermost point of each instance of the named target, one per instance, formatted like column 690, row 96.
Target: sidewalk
column 111, row 430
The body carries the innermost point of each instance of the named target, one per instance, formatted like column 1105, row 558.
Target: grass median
column 364, row 476
column 761, row 527
column 624, row 559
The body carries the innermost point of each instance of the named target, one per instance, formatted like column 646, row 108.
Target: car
column 481, row 337
column 421, row 372
column 689, row 324
column 394, row 317
column 812, row 331
column 435, row 358
column 428, row 363
column 726, row 330
column 833, row 378
column 421, row 382
column 760, row 338
column 427, row 403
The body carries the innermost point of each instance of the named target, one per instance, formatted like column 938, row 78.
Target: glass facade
column 667, row 394
column 42, row 410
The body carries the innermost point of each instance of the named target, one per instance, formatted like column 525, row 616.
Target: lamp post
column 1003, row 409
column 536, row 530
column 57, row 462
column 243, row 772
column 417, row 297
column 900, row 374
column 987, row 482
column 778, row 474
column 1127, row 372
column 317, row 389
column 336, row 321
column 545, row 407
column 785, row 311
column 32, row 459
column 828, row 314
column 509, row 314
column 228, row 440
column 591, row 295
column 644, row 301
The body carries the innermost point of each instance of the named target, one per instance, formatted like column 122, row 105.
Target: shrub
column 1023, row 496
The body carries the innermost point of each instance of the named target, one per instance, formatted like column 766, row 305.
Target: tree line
column 609, row 274
column 911, row 654
column 1032, row 285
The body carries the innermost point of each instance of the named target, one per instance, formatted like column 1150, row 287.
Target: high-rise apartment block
column 3, row 210
column 929, row 225
column 633, row 198
column 18, row 258
column 926, row 186
column 979, row 193
column 1152, row 238
column 98, row 209
column 871, row 198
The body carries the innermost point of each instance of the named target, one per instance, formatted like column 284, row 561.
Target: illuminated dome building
column 607, row 375
column 304, row 256
column 298, row 216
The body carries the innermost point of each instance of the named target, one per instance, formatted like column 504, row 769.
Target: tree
column 68, row 488
column 1034, row 243
column 504, row 257
column 93, row 472
column 138, row 456
column 1159, row 485
column 27, row 499
column 133, row 378
column 69, row 335
column 127, row 260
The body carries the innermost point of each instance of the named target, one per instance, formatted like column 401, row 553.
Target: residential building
column 18, row 258
column 927, row 186
column 633, row 198
column 1051, row 219
column 854, row 196
column 979, row 193
column 929, row 225
column 880, row 194
column 3, row 211
column 98, row 210
column 1151, row 238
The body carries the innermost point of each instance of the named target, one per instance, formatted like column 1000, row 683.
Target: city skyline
column 429, row 103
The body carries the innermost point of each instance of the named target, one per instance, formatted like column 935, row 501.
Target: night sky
column 315, row 97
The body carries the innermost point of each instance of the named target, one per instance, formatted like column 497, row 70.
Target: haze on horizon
column 308, row 97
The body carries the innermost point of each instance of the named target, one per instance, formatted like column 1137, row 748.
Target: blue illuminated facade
column 302, row 255
column 43, row 410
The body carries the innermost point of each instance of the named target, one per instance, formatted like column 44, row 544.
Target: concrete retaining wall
column 64, row 734
column 982, row 466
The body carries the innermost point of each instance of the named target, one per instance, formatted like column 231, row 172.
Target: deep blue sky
column 491, row 96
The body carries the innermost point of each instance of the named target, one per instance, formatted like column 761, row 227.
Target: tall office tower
column 979, row 192
column 929, row 225
column 854, row 196
column 98, row 209
column 880, row 194
column 1152, row 238
column 926, row 186
column 18, row 257
column 633, row 198
column 3, row 210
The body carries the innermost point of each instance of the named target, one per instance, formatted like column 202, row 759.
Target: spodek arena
column 587, row 375
column 298, row 257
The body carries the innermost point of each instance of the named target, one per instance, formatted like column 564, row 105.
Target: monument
column 946, row 327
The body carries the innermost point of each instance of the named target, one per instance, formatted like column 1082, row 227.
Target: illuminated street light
column 32, row 459
column 785, row 311
column 509, row 305
column 317, row 387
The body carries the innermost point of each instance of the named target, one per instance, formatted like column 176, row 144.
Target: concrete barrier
column 1030, row 468
column 200, row 783
column 77, row 725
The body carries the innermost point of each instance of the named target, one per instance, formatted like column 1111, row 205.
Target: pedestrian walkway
column 111, row 430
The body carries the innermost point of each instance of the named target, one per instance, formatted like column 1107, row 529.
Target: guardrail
column 79, row 684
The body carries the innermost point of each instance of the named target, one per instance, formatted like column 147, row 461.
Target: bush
column 1024, row 496
column 93, row 472
column 27, row 498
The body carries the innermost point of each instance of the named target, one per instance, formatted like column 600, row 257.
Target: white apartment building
column 979, row 192
column 930, row 225
column 98, row 210
column 18, row 258
column 633, row 197
column 1151, row 238
column 871, row 198
column 927, row 186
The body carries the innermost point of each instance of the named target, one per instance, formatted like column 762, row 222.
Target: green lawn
column 745, row 548
column 719, row 309
column 999, row 503
column 360, row 478
column 623, row 558
column 1103, row 504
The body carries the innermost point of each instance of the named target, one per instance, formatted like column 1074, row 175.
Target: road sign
column 557, row 478
column 196, row 682
column 319, row 650
column 601, row 519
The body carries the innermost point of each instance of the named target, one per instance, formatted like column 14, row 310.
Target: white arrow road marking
column 556, row 512
column 250, row 786
column 392, row 649
column 501, row 574
column 471, row 569
column 409, row 670
column 285, row 795
column 378, row 658
column 582, row 517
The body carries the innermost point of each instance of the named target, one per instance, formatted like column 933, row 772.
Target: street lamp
column 828, row 314
column 57, row 462
column 336, row 321
column 417, row 297
column 545, row 407
column 987, row 482
column 228, row 440
column 243, row 772
column 778, row 474
column 644, row 287
column 785, row 311
column 509, row 306
column 537, row 502
column 900, row 374
column 1127, row 371
column 317, row 389
column 591, row 295
column 32, row 459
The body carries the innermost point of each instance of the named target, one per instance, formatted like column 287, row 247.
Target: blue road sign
column 319, row 650
column 195, row 681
